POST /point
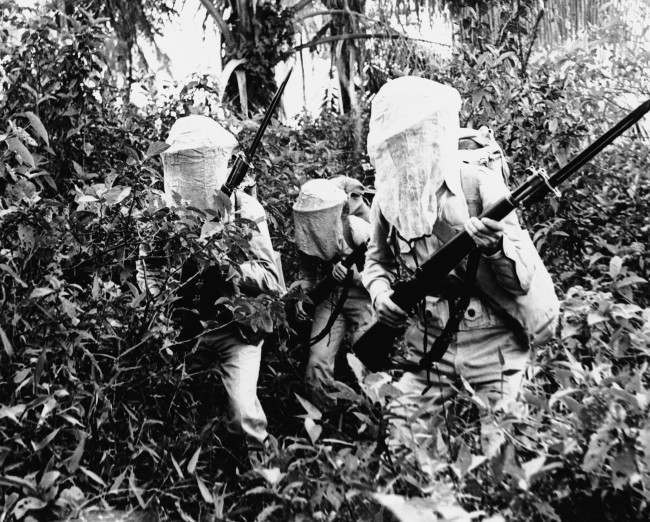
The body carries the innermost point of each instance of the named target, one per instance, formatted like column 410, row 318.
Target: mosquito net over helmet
column 317, row 219
column 413, row 145
column 196, row 163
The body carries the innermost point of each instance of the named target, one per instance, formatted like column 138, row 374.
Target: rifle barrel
column 242, row 164
column 267, row 117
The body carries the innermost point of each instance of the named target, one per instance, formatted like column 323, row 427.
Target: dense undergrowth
column 100, row 407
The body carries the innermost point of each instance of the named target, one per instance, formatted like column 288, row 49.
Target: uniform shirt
column 260, row 273
column 389, row 257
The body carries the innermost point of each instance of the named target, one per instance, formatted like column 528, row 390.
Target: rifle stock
column 375, row 346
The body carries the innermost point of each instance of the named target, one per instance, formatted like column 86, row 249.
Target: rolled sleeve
column 260, row 272
column 513, row 265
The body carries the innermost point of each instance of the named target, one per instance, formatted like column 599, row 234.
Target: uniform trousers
column 355, row 318
column 238, row 364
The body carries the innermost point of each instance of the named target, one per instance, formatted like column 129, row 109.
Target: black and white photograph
column 324, row 260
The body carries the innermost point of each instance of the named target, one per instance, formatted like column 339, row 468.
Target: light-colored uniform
column 355, row 316
column 237, row 361
column 324, row 236
column 425, row 194
column 474, row 353
column 195, row 168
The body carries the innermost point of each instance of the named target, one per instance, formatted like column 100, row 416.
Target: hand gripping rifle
column 324, row 287
column 375, row 347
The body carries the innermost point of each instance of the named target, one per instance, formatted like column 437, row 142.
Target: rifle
column 375, row 346
column 243, row 160
column 324, row 287
column 215, row 284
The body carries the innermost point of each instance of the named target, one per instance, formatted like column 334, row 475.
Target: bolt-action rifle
column 215, row 284
column 324, row 287
column 375, row 346
column 243, row 159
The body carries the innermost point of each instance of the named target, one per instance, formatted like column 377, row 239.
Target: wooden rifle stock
column 375, row 346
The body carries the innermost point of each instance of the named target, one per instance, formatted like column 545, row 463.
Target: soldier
column 325, row 233
column 424, row 195
column 195, row 167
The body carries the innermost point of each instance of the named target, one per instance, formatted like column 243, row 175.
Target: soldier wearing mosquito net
column 327, row 229
column 499, row 300
column 195, row 168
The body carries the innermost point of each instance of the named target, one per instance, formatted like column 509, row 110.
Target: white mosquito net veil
column 413, row 144
column 196, row 163
column 317, row 219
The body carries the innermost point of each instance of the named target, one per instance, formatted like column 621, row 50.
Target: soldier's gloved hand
column 486, row 233
column 339, row 272
column 388, row 312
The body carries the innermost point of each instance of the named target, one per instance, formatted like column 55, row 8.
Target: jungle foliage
column 100, row 407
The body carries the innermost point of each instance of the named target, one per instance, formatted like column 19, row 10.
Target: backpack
column 478, row 147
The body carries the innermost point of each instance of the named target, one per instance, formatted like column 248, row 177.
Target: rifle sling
column 458, row 297
column 457, row 307
column 338, row 308
column 346, row 284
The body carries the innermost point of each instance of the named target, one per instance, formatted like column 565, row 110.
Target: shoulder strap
column 457, row 308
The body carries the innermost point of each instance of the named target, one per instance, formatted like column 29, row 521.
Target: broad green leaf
column 116, row 194
column 27, row 504
column 408, row 509
column 532, row 467
column 9, row 350
column 12, row 412
column 40, row 292
column 205, row 492
column 17, row 146
column 271, row 475
column 75, row 458
column 313, row 430
column 48, row 479
column 37, row 125
column 156, row 148
column 48, row 407
column 191, row 465
column 615, row 265
column 312, row 411
column 71, row 496
column 13, row 274
column 78, row 168
column 46, row 441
